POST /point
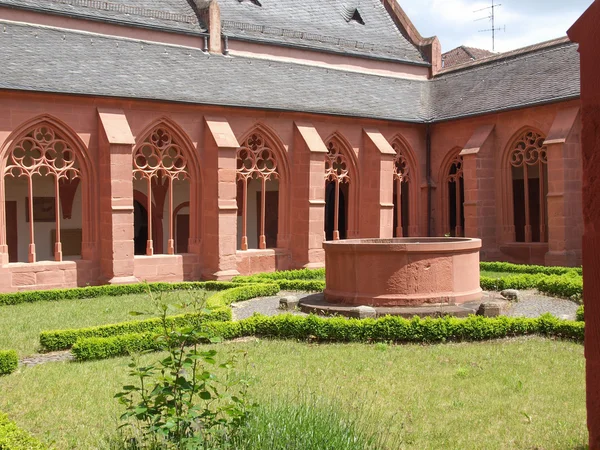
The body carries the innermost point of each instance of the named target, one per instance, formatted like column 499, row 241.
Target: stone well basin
column 402, row 271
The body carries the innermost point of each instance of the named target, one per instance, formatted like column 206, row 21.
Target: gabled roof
column 323, row 25
column 169, row 15
column 92, row 64
column 544, row 73
column 463, row 54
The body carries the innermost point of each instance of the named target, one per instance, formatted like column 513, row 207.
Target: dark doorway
column 271, row 217
column 405, row 213
column 456, row 222
column 330, row 210
column 12, row 231
column 183, row 233
column 140, row 228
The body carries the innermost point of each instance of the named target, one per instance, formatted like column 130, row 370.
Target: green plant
column 13, row 438
column 579, row 314
column 8, row 362
column 64, row 339
column 338, row 329
column 525, row 268
column 178, row 403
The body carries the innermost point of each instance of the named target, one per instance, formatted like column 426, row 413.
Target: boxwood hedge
column 8, row 362
column 387, row 329
column 64, row 339
column 13, row 438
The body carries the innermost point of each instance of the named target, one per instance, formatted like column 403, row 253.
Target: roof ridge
column 466, row 49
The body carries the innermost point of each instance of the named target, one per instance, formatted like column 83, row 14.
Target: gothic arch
column 193, row 171
column 346, row 149
column 87, row 175
column 449, row 160
column 276, row 145
column 401, row 146
column 508, row 216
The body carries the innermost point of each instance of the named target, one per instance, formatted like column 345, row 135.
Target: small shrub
column 9, row 362
column 13, row 438
column 526, row 268
column 178, row 403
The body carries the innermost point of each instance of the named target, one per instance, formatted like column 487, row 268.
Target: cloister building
column 193, row 139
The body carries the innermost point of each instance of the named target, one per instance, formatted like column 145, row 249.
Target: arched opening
column 163, row 178
column 41, row 175
column 140, row 228
column 529, row 177
column 258, row 193
column 337, row 192
column 330, row 212
column 456, row 198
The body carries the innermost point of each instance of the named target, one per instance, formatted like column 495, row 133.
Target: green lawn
column 524, row 393
column 485, row 273
column 20, row 325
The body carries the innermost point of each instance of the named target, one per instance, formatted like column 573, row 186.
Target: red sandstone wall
column 453, row 135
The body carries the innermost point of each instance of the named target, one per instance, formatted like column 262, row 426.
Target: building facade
column 184, row 140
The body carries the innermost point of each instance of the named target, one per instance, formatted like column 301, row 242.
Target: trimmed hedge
column 525, row 268
column 64, row 339
column 242, row 292
column 9, row 362
column 568, row 285
column 579, row 314
column 13, row 438
column 16, row 298
column 387, row 329
column 301, row 274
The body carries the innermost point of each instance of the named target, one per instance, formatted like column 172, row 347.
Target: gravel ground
column 534, row 304
column 267, row 306
column 530, row 304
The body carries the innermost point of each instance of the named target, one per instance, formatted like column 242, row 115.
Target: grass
column 512, row 394
column 26, row 321
column 485, row 273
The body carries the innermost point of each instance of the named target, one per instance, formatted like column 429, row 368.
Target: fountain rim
column 411, row 245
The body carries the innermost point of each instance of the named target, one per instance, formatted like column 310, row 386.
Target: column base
column 224, row 275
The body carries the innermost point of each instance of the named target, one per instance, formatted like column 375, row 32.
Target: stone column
column 377, row 188
column 480, row 190
column 565, row 222
column 307, row 197
column 116, row 197
column 219, row 207
column 587, row 33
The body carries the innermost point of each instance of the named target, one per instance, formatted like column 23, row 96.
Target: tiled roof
column 542, row 74
column 171, row 15
column 319, row 24
column 92, row 64
column 463, row 54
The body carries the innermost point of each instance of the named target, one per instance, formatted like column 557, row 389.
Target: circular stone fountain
column 403, row 276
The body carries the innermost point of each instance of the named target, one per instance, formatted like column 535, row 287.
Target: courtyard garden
column 508, row 382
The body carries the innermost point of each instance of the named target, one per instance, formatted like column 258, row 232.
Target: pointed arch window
column 337, row 178
column 43, row 152
column 257, row 161
column 159, row 162
column 456, row 197
column 402, row 177
column 529, row 173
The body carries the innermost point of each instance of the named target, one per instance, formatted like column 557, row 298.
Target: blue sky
column 527, row 21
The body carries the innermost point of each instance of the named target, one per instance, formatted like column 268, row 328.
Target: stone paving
column 42, row 358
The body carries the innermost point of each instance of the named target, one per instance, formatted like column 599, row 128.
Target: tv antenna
column 492, row 17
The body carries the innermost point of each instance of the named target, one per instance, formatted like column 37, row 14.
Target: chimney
column 210, row 14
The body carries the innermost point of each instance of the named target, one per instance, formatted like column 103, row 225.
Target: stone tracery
column 160, row 158
column 401, row 177
column 43, row 152
column 337, row 172
column 454, row 180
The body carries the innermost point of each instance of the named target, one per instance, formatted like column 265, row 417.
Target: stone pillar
column 377, row 190
column 587, row 33
column 219, row 207
column 480, row 189
column 307, row 197
column 116, row 197
column 565, row 222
